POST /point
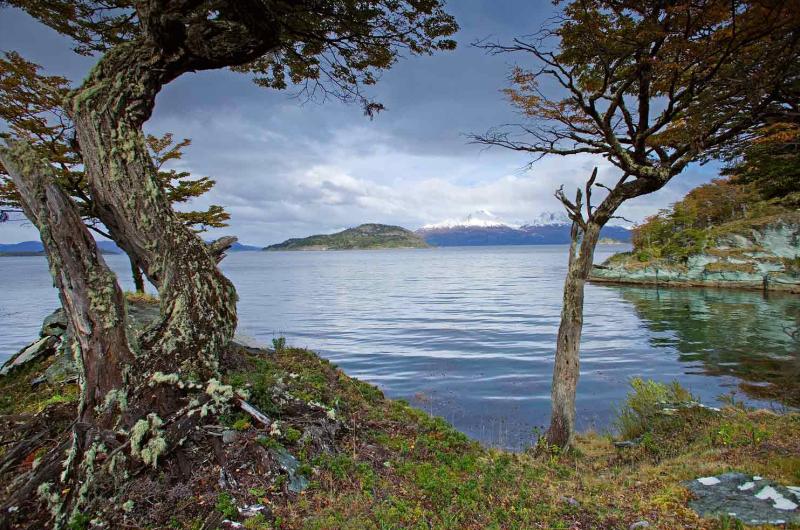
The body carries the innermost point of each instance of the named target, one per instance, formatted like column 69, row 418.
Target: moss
column 226, row 506
column 727, row 266
column 18, row 396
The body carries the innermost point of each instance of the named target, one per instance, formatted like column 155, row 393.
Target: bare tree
column 651, row 86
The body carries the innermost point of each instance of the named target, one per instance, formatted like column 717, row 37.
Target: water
column 469, row 333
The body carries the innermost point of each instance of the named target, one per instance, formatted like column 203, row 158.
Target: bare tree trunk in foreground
column 567, row 360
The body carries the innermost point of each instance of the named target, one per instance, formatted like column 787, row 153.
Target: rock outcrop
column 750, row 499
column 759, row 254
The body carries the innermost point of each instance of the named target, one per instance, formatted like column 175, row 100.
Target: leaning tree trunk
column 567, row 359
column 94, row 305
column 198, row 303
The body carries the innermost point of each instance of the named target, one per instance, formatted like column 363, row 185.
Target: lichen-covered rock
column 40, row 348
column 764, row 256
column 55, row 324
column 751, row 499
column 62, row 370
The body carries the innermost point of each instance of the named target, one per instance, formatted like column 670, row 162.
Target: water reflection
column 747, row 335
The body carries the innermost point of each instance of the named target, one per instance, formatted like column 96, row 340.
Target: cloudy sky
column 288, row 168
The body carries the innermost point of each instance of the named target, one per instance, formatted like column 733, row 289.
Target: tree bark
column 567, row 359
column 138, row 277
column 198, row 303
column 87, row 287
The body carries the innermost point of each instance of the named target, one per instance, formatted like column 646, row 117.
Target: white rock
column 747, row 486
column 779, row 501
column 708, row 481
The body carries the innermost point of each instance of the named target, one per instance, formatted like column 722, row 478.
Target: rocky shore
column 760, row 256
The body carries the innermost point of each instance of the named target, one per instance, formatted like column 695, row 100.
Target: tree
column 31, row 105
column 137, row 408
column 771, row 162
column 678, row 232
column 651, row 86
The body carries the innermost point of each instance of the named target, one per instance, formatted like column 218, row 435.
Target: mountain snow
column 550, row 219
column 478, row 219
column 486, row 219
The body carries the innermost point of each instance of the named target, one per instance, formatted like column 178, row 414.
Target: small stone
column 33, row 351
column 252, row 510
column 708, row 481
column 747, row 486
column 639, row 524
column 228, row 437
column 62, row 370
column 55, row 324
column 571, row 501
column 627, row 444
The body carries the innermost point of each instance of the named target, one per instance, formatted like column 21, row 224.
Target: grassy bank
column 389, row 465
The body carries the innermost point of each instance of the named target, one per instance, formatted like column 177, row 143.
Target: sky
column 286, row 167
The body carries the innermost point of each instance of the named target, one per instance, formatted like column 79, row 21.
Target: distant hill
column 35, row 248
column 483, row 228
column 366, row 236
column 239, row 247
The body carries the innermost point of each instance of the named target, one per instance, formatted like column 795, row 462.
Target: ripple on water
column 469, row 333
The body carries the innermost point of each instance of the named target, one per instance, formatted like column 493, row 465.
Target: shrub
column 278, row 344
column 646, row 399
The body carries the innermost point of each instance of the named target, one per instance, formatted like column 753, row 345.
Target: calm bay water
column 469, row 333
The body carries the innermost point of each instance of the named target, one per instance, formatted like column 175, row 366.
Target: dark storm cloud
column 287, row 167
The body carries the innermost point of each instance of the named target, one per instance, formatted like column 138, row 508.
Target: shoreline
column 791, row 289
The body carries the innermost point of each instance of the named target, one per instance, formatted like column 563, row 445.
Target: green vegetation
column 771, row 162
column 394, row 466
column 17, row 396
column 645, row 401
column 690, row 224
column 366, row 236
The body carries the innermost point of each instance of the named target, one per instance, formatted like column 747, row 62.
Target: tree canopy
column 31, row 104
column 651, row 86
column 323, row 47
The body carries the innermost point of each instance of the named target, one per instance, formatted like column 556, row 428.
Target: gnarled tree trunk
column 139, row 402
column 197, row 301
column 95, row 307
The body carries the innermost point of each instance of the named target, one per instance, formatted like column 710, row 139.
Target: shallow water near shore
column 468, row 333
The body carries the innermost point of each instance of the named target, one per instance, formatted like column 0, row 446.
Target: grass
column 140, row 298
column 396, row 467
column 401, row 468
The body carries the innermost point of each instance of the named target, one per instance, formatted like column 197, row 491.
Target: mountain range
column 35, row 248
column 484, row 228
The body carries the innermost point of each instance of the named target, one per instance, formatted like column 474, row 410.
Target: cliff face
column 752, row 254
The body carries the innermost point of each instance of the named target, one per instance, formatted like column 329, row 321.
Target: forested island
column 369, row 236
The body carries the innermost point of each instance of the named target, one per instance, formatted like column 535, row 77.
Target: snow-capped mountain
column 550, row 219
column 480, row 218
column 484, row 228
